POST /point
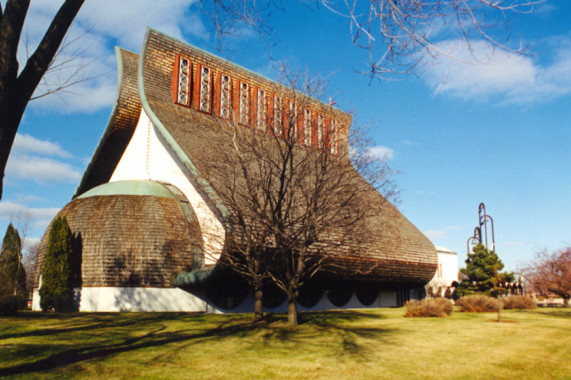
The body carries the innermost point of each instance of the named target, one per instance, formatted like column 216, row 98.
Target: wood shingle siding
column 130, row 240
column 395, row 251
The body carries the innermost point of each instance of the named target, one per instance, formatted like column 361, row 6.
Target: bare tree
column 29, row 261
column 293, row 197
column 550, row 272
column 400, row 37
column 17, row 87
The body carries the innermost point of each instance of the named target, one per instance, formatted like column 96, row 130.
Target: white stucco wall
column 99, row 299
column 447, row 271
column 139, row 299
column 148, row 158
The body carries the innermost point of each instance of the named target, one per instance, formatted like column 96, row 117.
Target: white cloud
column 30, row 222
column 435, row 234
column 442, row 233
column 30, row 242
column 40, row 169
column 31, row 158
column 15, row 211
column 381, row 152
column 517, row 79
column 99, row 26
column 26, row 144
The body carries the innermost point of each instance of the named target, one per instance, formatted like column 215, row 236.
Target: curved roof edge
column 129, row 187
column 241, row 68
column 84, row 184
column 441, row 249
column 208, row 189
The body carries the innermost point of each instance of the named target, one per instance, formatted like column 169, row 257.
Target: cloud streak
column 513, row 79
column 99, row 26
column 381, row 152
column 32, row 159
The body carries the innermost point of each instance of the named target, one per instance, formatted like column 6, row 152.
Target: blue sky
column 458, row 134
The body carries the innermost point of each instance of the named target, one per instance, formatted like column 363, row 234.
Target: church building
column 150, row 224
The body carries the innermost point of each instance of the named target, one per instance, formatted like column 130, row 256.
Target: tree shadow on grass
column 85, row 322
column 557, row 313
column 352, row 339
column 155, row 338
column 348, row 337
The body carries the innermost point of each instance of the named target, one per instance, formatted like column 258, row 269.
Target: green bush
column 12, row 274
column 519, row 302
column 56, row 291
column 477, row 304
column 429, row 307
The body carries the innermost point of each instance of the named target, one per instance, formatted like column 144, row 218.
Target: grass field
column 369, row 344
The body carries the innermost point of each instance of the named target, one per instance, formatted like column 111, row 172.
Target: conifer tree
column 483, row 271
column 56, row 290
column 12, row 273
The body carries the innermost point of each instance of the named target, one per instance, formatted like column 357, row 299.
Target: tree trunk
column 292, row 312
column 258, row 304
column 10, row 116
column 16, row 90
column 499, row 309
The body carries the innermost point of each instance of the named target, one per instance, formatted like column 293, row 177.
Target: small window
column 307, row 130
column 225, row 96
column 261, row 111
column 320, row 131
column 244, row 103
column 333, row 137
column 183, row 82
column 292, row 121
column 278, row 117
column 205, row 89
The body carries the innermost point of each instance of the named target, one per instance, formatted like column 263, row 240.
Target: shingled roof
column 131, row 233
column 397, row 252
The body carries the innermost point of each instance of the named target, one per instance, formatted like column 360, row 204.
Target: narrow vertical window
column 225, row 96
column 320, row 131
column 205, row 89
column 333, row 137
column 261, row 112
column 307, row 135
column 292, row 121
column 244, row 103
column 278, row 120
column 183, row 82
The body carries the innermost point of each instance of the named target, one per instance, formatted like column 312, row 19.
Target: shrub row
column 429, row 307
column 485, row 304
column 519, row 302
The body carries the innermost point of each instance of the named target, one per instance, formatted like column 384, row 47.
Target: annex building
column 150, row 224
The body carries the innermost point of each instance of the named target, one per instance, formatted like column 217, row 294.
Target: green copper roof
column 131, row 187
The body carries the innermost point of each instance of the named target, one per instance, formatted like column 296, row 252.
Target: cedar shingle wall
column 130, row 240
column 395, row 250
column 120, row 128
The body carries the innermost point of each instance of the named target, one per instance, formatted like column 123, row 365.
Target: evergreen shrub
column 56, row 292
column 12, row 274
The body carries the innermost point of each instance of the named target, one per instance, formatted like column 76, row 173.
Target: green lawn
column 370, row 344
